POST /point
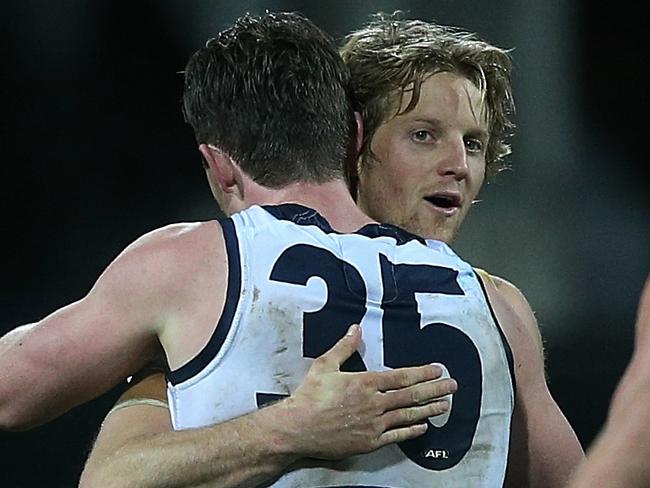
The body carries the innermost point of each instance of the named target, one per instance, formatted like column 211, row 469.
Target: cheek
column 381, row 184
column 372, row 191
column 393, row 189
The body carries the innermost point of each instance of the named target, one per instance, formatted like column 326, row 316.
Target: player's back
column 295, row 286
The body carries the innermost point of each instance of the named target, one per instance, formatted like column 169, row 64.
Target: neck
column 332, row 200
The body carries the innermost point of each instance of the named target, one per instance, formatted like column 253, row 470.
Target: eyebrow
column 479, row 133
column 429, row 120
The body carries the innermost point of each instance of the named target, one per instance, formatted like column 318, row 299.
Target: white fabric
column 263, row 352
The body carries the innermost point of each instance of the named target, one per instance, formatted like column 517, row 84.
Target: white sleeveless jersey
column 294, row 288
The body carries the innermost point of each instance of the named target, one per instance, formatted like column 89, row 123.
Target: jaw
column 417, row 217
column 440, row 224
column 442, row 232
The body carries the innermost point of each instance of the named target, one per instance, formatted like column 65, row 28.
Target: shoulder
column 157, row 265
column 169, row 248
column 176, row 238
column 513, row 304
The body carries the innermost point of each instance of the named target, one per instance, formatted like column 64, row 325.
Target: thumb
column 344, row 348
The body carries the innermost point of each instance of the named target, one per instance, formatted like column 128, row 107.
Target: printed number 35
column 405, row 341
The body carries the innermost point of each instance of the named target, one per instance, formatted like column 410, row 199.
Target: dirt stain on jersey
column 256, row 295
column 285, row 322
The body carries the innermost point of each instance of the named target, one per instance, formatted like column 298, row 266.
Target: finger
column 342, row 350
column 414, row 415
column 401, row 434
column 403, row 377
column 419, row 394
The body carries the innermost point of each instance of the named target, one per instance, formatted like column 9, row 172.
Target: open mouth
column 446, row 201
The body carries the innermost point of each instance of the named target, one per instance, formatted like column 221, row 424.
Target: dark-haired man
column 435, row 104
column 185, row 289
column 285, row 285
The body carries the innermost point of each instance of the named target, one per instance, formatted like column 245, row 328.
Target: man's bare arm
column 48, row 367
column 332, row 415
column 544, row 450
column 83, row 349
column 619, row 457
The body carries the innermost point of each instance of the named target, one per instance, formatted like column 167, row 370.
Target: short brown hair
column 273, row 93
column 390, row 57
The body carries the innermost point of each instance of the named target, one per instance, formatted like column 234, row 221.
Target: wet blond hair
column 391, row 57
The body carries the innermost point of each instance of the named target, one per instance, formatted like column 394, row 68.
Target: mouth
column 447, row 203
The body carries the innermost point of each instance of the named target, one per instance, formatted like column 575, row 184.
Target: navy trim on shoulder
column 388, row 230
column 201, row 360
column 301, row 215
column 506, row 344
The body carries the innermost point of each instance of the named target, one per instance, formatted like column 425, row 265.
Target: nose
column 454, row 160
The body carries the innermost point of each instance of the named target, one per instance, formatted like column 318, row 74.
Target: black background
column 95, row 153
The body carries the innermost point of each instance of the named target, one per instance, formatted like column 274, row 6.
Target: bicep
column 97, row 330
column 544, row 448
column 76, row 353
column 542, row 438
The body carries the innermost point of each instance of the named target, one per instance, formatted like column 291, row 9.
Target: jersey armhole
column 221, row 331
column 483, row 276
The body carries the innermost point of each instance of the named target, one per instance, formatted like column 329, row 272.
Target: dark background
column 94, row 153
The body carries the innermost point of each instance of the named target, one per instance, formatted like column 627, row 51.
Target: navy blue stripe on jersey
column 388, row 230
column 506, row 344
column 213, row 346
column 301, row 215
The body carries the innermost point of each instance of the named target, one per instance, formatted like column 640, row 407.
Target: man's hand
column 336, row 414
column 332, row 415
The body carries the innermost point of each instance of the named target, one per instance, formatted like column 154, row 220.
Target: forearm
column 67, row 358
column 332, row 415
column 19, row 409
column 618, row 458
column 44, row 373
column 244, row 452
column 614, row 462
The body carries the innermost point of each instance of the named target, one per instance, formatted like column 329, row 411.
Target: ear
column 221, row 169
column 351, row 167
column 359, row 141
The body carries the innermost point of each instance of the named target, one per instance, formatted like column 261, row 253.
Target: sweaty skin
column 429, row 166
column 426, row 169
column 432, row 155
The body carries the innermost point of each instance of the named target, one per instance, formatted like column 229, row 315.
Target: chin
column 443, row 234
column 439, row 231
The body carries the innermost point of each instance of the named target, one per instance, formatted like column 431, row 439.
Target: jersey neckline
column 301, row 215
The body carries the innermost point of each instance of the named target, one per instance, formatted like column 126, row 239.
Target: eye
column 422, row 135
column 474, row 145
